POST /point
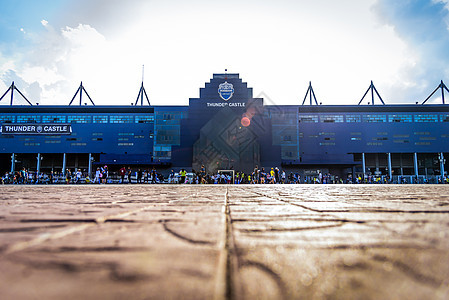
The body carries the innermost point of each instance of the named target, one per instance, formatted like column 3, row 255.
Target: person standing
column 272, row 176
column 171, row 177
column 78, row 175
column 139, row 176
column 129, row 174
column 68, row 176
column 97, row 176
column 183, row 174
column 276, row 175
column 203, row 174
column 105, row 174
column 153, row 175
column 122, row 173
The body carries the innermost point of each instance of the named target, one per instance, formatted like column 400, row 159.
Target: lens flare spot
column 245, row 121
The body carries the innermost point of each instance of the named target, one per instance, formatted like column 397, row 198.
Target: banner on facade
column 36, row 129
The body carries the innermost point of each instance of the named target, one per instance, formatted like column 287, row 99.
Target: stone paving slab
column 224, row 242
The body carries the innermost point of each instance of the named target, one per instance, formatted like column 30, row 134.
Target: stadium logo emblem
column 226, row 90
column 39, row 129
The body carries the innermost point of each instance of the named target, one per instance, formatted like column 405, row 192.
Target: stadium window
column 53, row 119
column 331, row 118
column 7, row 119
column 308, row 118
column 400, row 118
column 426, row 118
column 28, row 119
column 100, row 119
column 444, row 118
column 79, row 119
column 144, row 119
column 121, row 119
column 353, row 118
column 374, row 118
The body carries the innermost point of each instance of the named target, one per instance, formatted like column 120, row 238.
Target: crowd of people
column 127, row 175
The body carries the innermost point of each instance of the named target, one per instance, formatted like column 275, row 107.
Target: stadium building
column 227, row 128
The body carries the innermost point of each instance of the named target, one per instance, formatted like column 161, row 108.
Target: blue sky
column 48, row 47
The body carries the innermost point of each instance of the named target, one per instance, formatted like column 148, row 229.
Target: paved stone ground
column 224, row 242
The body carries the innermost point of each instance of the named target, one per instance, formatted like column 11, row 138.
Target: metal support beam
column 80, row 91
column 443, row 88
column 11, row 89
column 311, row 95
column 442, row 165
column 13, row 162
column 64, row 162
column 415, row 163
column 390, row 172
column 373, row 89
column 142, row 92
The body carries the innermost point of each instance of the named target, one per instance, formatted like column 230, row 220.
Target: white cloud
column 277, row 49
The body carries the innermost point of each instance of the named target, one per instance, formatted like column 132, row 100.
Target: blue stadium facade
column 227, row 128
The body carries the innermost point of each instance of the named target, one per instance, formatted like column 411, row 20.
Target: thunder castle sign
column 39, row 129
